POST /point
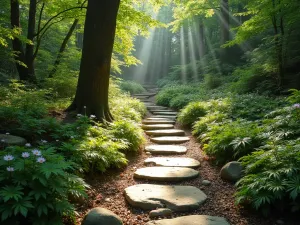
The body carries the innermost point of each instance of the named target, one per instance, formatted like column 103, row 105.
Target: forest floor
column 107, row 191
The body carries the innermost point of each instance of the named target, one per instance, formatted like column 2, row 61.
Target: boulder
column 232, row 171
column 101, row 216
column 7, row 140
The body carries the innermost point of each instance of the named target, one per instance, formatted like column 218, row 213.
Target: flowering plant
column 35, row 185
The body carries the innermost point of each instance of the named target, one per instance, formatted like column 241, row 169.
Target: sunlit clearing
column 140, row 71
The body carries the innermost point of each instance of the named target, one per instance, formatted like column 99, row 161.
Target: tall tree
column 93, row 83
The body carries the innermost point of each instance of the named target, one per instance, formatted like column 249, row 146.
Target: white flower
column 79, row 115
column 92, row 116
column 25, row 154
column 7, row 133
column 44, row 141
column 10, row 169
column 8, row 157
column 84, row 107
column 28, row 145
column 36, row 152
column 72, row 137
column 2, row 140
column 77, row 128
column 40, row 160
column 57, row 140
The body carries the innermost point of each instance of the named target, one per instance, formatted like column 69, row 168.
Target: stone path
column 168, row 198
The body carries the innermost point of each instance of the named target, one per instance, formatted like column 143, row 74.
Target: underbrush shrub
column 211, row 81
column 181, row 101
column 165, row 96
column 131, row 132
column 230, row 140
column 272, row 176
column 253, row 106
column 192, row 112
column 131, row 87
column 201, row 126
column 36, row 185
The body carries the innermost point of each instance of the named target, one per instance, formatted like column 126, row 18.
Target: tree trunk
column 63, row 47
column 93, row 83
column 30, row 36
column 17, row 44
column 225, row 33
column 201, row 40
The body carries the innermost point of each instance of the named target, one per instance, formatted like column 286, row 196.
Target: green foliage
column 230, row 140
column 168, row 93
column 130, row 132
column 253, row 106
column 294, row 96
column 131, row 87
column 201, row 126
column 36, row 185
column 181, row 101
column 272, row 178
column 212, row 82
column 192, row 112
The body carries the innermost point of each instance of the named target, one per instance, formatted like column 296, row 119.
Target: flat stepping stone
column 157, row 126
column 176, row 198
column 162, row 121
column 165, row 113
column 160, row 110
column 176, row 161
column 156, row 107
column 191, row 220
column 166, row 149
column 144, row 95
column 159, row 118
column 7, row 139
column 167, row 132
column 159, row 173
column 170, row 140
column 164, row 116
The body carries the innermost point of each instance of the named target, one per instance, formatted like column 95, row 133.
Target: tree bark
column 201, row 40
column 93, row 83
column 225, row 33
column 63, row 47
column 17, row 44
column 30, row 36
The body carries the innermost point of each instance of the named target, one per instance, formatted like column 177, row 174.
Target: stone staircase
column 165, row 199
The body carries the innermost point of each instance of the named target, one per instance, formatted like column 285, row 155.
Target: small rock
column 101, row 216
column 206, row 182
column 160, row 212
column 148, row 153
column 107, row 199
column 232, row 171
column 279, row 222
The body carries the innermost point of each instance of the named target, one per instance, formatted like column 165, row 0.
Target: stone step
column 165, row 113
column 162, row 121
column 159, row 173
column 161, row 110
column 159, row 119
column 156, row 107
column 167, row 132
column 166, row 149
column 144, row 95
column 170, row 140
column 176, row 198
column 157, row 126
column 191, row 220
column 165, row 116
column 176, row 161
